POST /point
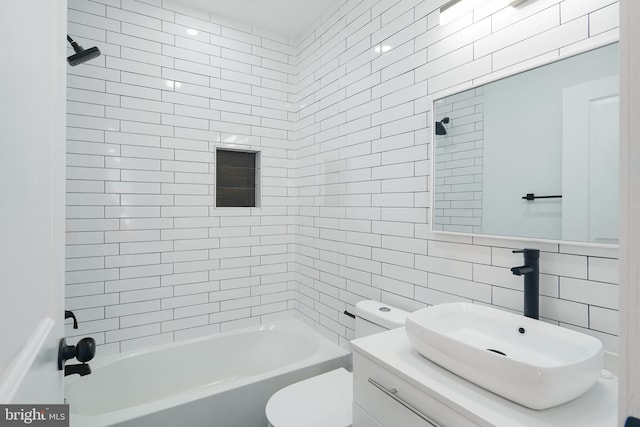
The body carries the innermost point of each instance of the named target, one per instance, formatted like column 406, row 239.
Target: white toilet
column 326, row 400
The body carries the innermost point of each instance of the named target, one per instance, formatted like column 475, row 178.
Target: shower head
column 440, row 129
column 81, row 55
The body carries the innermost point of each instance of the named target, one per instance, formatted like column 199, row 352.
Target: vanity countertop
column 392, row 350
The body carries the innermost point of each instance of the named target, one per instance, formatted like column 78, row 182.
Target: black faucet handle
column 85, row 349
column 69, row 314
column 527, row 252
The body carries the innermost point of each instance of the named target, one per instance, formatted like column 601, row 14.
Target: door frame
column 629, row 314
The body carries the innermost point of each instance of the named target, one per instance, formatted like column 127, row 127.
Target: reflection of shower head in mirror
column 440, row 129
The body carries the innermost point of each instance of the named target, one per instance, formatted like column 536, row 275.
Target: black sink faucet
column 531, row 272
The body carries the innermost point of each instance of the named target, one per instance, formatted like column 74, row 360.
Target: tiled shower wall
column 149, row 258
column 458, row 166
column 367, row 74
column 344, row 130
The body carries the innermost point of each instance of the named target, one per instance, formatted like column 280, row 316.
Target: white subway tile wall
column 458, row 163
column 343, row 121
column 150, row 259
column 367, row 75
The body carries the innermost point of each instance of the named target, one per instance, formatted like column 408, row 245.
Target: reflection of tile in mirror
column 510, row 143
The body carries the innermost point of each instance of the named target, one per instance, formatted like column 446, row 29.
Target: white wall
column 346, row 201
column 364, row 167
column 149, row 258
column 32, row 79
column 629, row 400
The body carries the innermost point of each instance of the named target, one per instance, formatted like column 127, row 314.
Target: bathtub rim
column 326, row 351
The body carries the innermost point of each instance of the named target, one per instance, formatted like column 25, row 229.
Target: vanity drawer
column 402, row 404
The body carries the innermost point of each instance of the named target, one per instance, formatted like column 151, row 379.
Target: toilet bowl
column 321, row 401
column 326, row 400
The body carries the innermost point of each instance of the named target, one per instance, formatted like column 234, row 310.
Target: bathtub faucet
column 69, row 315
column 83, row 351
column 81, row 369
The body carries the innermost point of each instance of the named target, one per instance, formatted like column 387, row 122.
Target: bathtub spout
column 81, row 369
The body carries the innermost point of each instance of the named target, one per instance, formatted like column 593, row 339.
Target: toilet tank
column 373, row 317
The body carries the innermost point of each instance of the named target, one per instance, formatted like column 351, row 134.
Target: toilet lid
column 322, row 401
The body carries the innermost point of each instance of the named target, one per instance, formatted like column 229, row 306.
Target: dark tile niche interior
column 235, row 179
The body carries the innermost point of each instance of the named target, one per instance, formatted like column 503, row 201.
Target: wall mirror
column 532, row 155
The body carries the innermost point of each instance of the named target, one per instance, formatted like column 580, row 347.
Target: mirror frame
column 481, row 81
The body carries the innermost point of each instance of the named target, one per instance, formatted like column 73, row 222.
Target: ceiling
column 287, row 17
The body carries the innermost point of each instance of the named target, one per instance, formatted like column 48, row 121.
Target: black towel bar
column 531, row 196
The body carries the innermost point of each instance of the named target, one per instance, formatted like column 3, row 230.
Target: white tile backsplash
column 344, row 132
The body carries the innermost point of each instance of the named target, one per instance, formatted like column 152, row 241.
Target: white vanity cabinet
column 361, row 418
column 394, row 386
column 391, row 401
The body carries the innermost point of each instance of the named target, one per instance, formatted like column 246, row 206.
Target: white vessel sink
column 530, row 362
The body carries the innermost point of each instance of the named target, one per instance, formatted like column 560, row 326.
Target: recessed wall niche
column 237, row 178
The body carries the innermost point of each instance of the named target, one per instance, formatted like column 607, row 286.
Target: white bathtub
column 222, row 380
